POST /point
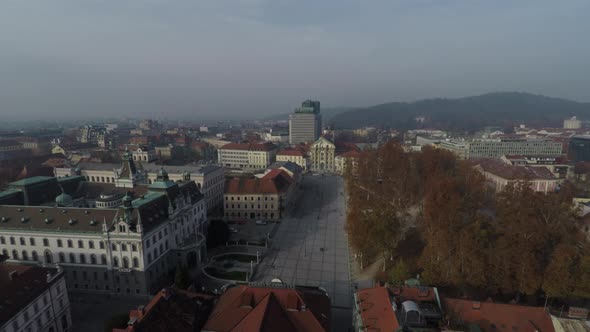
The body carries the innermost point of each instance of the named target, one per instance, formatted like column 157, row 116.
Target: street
column 310, row 247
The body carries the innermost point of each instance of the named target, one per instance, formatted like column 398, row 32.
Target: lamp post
column 257, row 257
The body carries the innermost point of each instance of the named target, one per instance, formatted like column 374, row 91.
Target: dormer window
column 122, row 228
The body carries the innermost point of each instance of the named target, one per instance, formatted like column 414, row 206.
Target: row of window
column 250, row 215
column 71, row 258
column 272, row 206
column 33, row 242
column 251, row 198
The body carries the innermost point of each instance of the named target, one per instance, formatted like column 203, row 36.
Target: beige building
column 145, row 154
column 499, row 174
column 321, row 154
column 342, row 161
column 125, row 250
column 572, row 123
column 256, row 156
column 210, row 179
column 263, row 198
column 295, row 156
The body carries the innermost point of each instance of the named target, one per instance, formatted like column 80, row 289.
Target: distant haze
column 214, row 59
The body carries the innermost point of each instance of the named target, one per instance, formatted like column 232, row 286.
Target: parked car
column 233, row 230
column 260, row 222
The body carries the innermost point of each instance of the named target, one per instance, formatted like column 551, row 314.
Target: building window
column 35, row 256
column 22, row 241
column 59, row 243
column 14, row 254
column 134, row 247
column 80, row 244
column 62, row 257
column 126, row 262
column 70, row 244
column 25, row 256
column 12, row 240
column 123, row 247
column 93, row 259
column 115, row 261
column 72, row 258
column 91, row 244
column 2, row 241
column 103, row 259
column 101, row 244
column 114, row 247
column 32, row 241
column 46, row 242
column 135, row 262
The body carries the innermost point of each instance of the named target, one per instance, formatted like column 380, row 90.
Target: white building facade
column 125, row 251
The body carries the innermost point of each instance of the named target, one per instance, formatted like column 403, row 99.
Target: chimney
column 167, row 293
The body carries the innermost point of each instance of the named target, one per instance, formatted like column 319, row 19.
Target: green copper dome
column 64, row 200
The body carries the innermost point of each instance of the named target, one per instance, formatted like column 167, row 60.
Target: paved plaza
column 311, row 248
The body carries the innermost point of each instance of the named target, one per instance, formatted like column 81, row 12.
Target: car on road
column 261, row 222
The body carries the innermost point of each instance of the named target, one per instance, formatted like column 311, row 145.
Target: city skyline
column 216, row 59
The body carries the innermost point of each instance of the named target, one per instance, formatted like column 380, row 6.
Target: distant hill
column 492, row 109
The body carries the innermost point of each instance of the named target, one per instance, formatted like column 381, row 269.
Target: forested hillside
column 493, row 109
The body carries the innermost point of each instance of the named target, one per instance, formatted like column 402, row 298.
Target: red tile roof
column 350, row 154
column 500, row 317
column 376, row 310
column 171, row 310
column 244, row 308
column 291, row 152
column 376, row 304
column 277, row 172
column 249, row 146
column 255, row 186
column 506, row 171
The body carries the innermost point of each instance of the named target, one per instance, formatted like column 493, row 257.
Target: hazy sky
column 217, row 58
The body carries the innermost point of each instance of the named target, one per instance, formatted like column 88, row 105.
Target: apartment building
column 296, row 156
column 256, row 156
column 209, row 178
column 33, row 298
column 124, row 250
column 258, row 198
column 498, row 147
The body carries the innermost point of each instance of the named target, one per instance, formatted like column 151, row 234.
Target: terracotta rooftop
column 376, row 310
column 19, row 285
column 506, row 171
column 291, row 152
column 171, row 310
column 256, row 186
column 350, row 154
column 500, row 317
column 376, row 306
column 249, row 308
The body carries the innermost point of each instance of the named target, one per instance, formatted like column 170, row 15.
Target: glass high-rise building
column 305, row 124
